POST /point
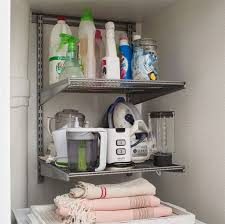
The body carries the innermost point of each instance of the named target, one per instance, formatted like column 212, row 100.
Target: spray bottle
column 71, row 67
column 110, row 63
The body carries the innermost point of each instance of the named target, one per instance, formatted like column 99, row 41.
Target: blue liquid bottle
column 125, row 58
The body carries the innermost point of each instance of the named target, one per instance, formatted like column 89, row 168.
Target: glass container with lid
column 145, row 59
column 64, row 118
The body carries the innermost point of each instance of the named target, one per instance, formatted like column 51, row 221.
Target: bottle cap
column 136, row 37
column 61, row 17
column 123, row 39
column 109, row 25
column 123, row 36
column 98, row 34
column 87, row 16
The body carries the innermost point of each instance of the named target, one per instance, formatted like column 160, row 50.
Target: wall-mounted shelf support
column 135, row 91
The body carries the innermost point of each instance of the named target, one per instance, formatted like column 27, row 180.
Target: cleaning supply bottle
column 125, row 58
column 57, row 57
column 99, row 51
column 86, row 34
column 71, row 66
column 110, row 63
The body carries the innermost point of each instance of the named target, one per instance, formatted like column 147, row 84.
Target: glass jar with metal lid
column 145, row 59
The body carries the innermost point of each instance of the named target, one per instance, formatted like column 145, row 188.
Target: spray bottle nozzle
column 71, row 41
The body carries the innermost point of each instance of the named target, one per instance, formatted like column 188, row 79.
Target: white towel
column 135, row 187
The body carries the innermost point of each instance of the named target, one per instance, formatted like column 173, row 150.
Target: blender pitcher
column 163, row 129
column 86, row 149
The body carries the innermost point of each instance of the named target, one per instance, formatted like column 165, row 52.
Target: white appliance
column 59, row 138
column 118, row 150
column 83, row 139
column 122, row 114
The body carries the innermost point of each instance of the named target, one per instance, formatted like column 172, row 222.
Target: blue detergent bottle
column 125, row 58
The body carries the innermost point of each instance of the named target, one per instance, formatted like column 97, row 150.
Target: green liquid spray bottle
column 72, row 66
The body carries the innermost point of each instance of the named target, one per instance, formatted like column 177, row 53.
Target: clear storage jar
column 145, row 60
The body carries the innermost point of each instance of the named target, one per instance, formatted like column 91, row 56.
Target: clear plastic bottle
column 72, row 67
column 86, row 35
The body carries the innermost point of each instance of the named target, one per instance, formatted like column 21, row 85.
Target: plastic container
column 125, row 58
column 71, row 66
column 145, row 60
column 86, row 34
column 82, row 151
column 110, row 63
column 99, row 53
column 57, row 56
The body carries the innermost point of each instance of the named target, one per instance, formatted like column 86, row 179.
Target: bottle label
column 58, row 63
column 123, row 67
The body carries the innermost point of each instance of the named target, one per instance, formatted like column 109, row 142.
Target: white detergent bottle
column 86, row 34
column 57, row 55
column 110, row 63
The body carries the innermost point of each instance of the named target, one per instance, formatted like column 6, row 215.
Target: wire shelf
column 136, row 91
column 49, row 170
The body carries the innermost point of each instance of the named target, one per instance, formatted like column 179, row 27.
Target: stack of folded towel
column 132, row 200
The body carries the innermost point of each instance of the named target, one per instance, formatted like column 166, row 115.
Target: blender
column 162, row 123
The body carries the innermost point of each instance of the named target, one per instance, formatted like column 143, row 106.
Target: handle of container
column 103, row 151
column 49, row 122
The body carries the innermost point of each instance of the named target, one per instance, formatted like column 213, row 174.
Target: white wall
column 19, row 102
column 191, row 36
column 5, row 213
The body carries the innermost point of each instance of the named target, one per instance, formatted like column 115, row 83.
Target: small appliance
column 122, row 114
column 84, row 148
column 118, row 150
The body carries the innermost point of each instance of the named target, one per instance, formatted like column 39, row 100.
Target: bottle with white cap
column 111, row 62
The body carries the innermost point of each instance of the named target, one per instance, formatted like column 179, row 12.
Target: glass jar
column 145, row 60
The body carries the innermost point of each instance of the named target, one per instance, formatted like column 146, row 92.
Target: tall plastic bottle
column 86, row 35
column 110, row 63
column 99, row 53
column 125, row 58
column 57, row 56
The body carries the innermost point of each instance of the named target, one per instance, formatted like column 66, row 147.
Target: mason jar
column 145, row 60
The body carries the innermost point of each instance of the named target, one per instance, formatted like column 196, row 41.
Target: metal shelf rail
column 54, row 172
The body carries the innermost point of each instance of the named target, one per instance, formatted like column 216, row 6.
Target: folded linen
column 132, row 214
column 139, row 186
column 123, row 215
column 64, row 203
